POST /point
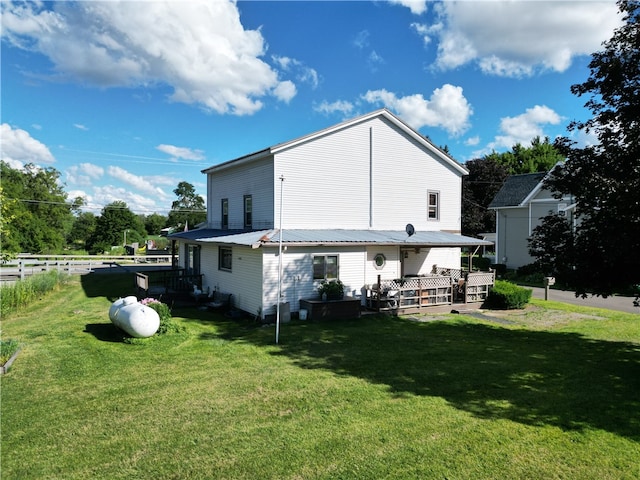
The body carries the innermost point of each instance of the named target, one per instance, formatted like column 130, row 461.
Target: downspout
column 370, row 177
column 496, row 251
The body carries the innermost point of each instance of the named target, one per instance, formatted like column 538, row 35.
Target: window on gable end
column 433, row 205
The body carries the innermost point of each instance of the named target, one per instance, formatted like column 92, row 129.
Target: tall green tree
column 6, row 217
column 41, row 214
column 604, row 179
column 486, row 176
column 114, row 223
column 154, row 223
column 189, row 209
column 84, row 225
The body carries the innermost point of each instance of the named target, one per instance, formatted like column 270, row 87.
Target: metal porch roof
column 335, row 237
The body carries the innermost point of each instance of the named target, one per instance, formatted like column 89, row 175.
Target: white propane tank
column 134, row 318
column 118, row 304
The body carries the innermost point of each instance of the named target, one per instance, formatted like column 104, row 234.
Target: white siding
column 513, row 226
column 403, row 173
column 243, row 281
column 355, row 266
column 255, row 179
column 370, row 175
column 422, row 262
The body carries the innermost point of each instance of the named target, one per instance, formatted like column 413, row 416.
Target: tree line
column 38, row 217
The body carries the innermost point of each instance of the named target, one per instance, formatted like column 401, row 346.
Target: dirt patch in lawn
column 530, row 316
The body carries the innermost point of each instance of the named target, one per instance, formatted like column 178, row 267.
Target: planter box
column 346, row 308
column 5, row 368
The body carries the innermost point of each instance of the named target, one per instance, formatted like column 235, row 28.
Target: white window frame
column 431, row 207
column 327, row 273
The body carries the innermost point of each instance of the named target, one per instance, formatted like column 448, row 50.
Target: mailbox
column 549, row 281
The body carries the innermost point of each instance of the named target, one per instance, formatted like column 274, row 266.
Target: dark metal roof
column 336, row 237
column 516, row 189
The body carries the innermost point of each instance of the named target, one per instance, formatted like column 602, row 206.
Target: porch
column 445, row 286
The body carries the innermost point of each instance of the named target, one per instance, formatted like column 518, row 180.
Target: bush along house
column 369, row 202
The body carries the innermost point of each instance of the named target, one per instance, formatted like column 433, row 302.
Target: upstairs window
column 248, row 211
column 224, row 205
column 325, row 267
column 433, row 205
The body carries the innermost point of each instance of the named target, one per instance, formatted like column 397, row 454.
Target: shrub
column 481, row 263
column 334, row 289
column 507, row 296
column 500, row 268
column 167, row 325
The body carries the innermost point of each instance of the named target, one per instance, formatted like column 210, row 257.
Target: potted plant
column 331, row 290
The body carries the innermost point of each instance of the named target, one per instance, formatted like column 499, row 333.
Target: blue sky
column 126, row 99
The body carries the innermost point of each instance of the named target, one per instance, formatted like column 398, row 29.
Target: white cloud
column 374, row 60
column 472, row 141
column 541, row 35
column 137, row 202
column 84, row 173
column 181, row 152
column 142, row 185
column 199, row 48
column 340, row 106
column 18, row 147
column 417, row 7
column 447, row 108
column 361, row 40
column 302, row 72
column 522, row 128
column 79, row 126
column 285, row 91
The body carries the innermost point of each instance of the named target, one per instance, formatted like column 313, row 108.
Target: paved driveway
column 623, row 304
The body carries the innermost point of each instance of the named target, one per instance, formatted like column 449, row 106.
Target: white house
column 520, row 205
column 337, row 202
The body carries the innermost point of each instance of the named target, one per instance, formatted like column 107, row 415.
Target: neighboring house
column 520, row 206
column 343, row 197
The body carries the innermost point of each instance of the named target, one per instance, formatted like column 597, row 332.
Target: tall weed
column 23, row 292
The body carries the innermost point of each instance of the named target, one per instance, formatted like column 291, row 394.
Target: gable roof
column 385, row 113
column 516, row 190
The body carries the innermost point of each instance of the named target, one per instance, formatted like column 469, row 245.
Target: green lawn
column 553, row 393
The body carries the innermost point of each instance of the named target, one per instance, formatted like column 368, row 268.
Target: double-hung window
column 325, row 267
column 248, row 211
column 224, row 213
column 224, row 258
column 433, row 205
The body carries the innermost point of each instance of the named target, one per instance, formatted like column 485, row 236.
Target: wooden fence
column 25, row 265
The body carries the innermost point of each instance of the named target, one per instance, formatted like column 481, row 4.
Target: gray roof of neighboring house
column 516, row 189
column 336, row 237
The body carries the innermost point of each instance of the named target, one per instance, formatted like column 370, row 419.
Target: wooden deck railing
column 413, row 294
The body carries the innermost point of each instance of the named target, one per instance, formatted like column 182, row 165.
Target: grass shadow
column 535, row 378
column 111, row 286
column 105, row 332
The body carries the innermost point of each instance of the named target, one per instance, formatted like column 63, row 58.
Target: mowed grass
column 545, row 395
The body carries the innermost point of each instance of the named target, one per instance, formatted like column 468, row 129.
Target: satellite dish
column 409, row 229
